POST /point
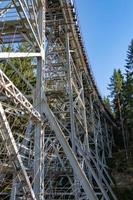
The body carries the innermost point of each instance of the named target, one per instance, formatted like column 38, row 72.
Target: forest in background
column 120, row 104
column 120, row 100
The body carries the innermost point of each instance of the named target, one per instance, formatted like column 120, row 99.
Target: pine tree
column 116, row 88
column 116, row 92
column 129, row 90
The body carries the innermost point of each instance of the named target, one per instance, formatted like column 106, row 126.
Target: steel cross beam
column 87, row 156
column 18, row 97
column 69, row 152
column 8, row 7
column 13, row 152
column 29, row 23
column 7, row 55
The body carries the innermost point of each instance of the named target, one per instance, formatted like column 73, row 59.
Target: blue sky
column 107, row 29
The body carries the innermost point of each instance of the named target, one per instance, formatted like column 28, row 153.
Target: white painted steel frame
column 13, row 151
column 77, row 108
column 11, row 91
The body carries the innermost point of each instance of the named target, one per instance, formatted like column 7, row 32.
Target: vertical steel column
column 86, row 140
column 71, row 108
column 94, row 129
column 101, row 138
column 108, row 140
column 14, row 188
column 100, row 146
column 39, row 134
column 69, row 73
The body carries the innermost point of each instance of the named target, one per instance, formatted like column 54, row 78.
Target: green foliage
column 23, row 65
column 116, row 84
column 121, row 94
column 129, row 88
column 116, row 92
column 22, row 73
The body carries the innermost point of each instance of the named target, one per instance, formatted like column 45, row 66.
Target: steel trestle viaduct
column 55, row 132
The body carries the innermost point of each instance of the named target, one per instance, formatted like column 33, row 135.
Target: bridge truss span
column 55, row 132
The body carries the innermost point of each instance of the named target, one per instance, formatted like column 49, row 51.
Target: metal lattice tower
column 55, row 133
